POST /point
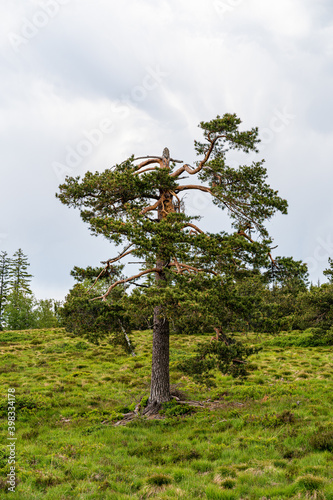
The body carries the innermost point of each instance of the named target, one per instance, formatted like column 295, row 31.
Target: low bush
column 322, row 439
column 174, row 409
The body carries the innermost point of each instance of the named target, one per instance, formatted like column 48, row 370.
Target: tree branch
column 144, row 170
column 174, row 194
column 100, row 274
column 194, row 186
column 190, row 268
column 111, row 261
column 153, row 159
column 192, row 170
column 152, row 207
column 243, row 233
column 156, row 158
column 236, row 210
column 120, row 256
column 119, row 282
column 194, row 227
column 176, row 263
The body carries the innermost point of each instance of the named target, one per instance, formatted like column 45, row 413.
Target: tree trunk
column 160, row 382
column 160, row 379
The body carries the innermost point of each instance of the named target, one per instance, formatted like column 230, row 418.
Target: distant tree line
column 272, row 300
column 19, row 309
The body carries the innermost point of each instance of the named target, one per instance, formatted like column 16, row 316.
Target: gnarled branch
column 192, row 170
column 150, row 208
column 185, row 267
column 144, row 170
column 156, row 158
column 111, row 261
column 126, row 280
column 189, row 224
column 152, row 159
column 194, row 186
column 123, row 254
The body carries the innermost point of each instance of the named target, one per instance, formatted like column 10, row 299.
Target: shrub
column 126, row 408
column 229, row 356
column 174, row 409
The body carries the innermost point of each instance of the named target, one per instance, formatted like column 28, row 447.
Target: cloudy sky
column 86, row 83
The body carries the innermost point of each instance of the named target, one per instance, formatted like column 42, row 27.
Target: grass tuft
column 159, row 480
column 310, row 482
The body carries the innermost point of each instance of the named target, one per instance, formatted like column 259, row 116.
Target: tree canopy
column 140, row 204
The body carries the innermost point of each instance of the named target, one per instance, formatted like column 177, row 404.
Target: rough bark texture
column 160, row 382
column 160, row 379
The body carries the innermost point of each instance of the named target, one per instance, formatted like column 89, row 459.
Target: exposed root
column 128, row 417
column 152, row 408
column 152, row 411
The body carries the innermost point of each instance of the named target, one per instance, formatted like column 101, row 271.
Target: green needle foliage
column 19, row 278
column 4, row 284
column 18, row 312
column 229, row 357
column 95, row 319
column 329, row 272
column 140, row 205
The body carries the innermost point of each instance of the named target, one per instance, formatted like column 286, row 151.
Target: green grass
column 268, row 437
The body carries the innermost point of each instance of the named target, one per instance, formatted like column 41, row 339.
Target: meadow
column 268, row 437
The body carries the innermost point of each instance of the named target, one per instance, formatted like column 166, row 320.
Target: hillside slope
column 270, row 437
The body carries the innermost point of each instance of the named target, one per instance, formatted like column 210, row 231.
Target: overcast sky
column 86, row 83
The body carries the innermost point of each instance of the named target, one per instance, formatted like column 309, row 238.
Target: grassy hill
column 270, row 437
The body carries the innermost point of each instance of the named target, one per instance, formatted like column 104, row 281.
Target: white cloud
column 93, row 61
column 283, row 18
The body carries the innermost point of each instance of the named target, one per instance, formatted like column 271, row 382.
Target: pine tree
column 138, row 203
column 19, row 278
column 4, row 284
column 329, row 272
column 18, row 313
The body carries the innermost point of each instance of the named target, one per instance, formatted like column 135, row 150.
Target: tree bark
column 160, row 378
